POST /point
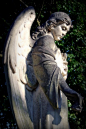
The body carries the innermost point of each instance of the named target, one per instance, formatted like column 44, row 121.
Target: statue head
column 59, row 23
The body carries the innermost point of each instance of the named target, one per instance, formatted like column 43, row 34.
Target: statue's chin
column 57, row 38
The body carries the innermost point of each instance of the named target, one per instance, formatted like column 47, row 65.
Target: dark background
column 74, row 44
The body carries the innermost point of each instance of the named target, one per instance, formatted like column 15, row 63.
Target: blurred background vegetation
column 74, row 44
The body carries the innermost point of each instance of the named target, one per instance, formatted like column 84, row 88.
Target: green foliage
column 74, row 44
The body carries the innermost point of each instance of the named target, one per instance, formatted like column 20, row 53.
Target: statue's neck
column 50, row 34
column 37, row 35
column 41, row 31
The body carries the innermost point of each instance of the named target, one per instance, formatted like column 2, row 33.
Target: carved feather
column 18, row 46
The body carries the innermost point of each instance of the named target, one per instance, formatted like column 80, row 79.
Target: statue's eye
column 64, row 28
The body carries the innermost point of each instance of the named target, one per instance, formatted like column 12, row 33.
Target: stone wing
column 18, row 66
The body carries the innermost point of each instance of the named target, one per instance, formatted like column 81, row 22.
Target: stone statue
column 36, row 73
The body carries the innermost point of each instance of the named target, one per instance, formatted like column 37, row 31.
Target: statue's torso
column 46, row 69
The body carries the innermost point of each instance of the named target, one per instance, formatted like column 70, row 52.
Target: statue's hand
column 77, row 106
column 61, row 62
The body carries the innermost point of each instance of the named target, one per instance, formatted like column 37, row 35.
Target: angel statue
column 36, row 73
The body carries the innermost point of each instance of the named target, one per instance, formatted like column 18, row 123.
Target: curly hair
column 54, row 20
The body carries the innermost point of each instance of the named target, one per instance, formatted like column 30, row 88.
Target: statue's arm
column 62, row 69
column 72, row 95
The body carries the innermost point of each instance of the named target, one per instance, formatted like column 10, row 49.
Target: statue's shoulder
column 45, row 40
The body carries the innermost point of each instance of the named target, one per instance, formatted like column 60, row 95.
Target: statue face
column 60, row 31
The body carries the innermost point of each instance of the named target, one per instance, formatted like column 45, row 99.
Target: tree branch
column 23, row 3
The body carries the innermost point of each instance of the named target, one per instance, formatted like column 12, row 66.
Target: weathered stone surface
column 36, row 71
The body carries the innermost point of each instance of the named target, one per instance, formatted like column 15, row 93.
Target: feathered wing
column 18, row 65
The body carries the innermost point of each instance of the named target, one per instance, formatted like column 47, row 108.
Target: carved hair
column 54, row 20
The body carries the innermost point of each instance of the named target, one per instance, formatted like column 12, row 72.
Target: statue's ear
column 52, row 27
